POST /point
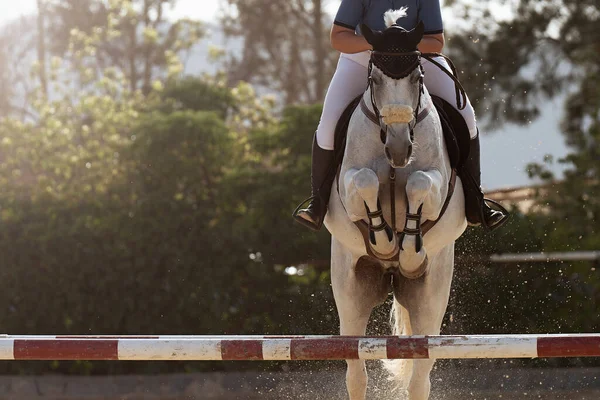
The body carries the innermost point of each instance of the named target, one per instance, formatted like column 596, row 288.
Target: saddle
column 454, row 127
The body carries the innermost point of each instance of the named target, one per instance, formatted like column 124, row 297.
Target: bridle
column 404, row 73
column 461, row 96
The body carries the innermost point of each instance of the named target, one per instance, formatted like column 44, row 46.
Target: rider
column 350, row 80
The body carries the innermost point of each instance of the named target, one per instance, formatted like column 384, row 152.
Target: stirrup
column 494, row 205
column 304, row 222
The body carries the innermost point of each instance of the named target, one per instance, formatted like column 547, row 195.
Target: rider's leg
column 349, row 81
column 477, row 211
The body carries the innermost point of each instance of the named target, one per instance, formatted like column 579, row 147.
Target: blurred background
column 152, row 151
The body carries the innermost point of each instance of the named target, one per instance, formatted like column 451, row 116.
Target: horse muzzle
column 398, row 148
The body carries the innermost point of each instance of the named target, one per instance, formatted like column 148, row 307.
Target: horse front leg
column 362, row 188
column 424, row 194
column 358, row 287
column 425, row 301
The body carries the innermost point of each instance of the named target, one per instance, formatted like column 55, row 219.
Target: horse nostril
column 387, row 153
column 409, row 152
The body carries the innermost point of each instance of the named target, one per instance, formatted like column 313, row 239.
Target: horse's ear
column 372, row 37
column 419, row 31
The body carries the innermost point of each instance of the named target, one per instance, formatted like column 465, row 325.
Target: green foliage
column 133, row 37
column 180, row 240
column 195, row 94
column 553, row 46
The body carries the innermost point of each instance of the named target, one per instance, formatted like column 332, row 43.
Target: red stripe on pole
column 324, row 349
column 50, row 349
column 568, row 347
column 241, row 350
column 407, row 348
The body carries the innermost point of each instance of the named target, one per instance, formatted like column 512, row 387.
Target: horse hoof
column 419, row 272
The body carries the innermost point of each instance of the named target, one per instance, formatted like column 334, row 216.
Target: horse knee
column 425, row 188
column 362, row 186
column 418, row 186
column 366, row 183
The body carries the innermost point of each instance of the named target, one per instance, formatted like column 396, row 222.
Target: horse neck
column 368, row 134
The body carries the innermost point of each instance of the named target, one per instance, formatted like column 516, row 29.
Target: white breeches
column 350, row 80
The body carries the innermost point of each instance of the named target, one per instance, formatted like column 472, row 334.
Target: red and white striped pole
column 207, row 348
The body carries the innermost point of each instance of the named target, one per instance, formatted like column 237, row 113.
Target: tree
column 16, row 85
column 169, row 235
column 553, row 48
column 132, row 36
column 130, row 213
column 41, row 46
column 544, row 50
column 511, row 66
column 285, row 46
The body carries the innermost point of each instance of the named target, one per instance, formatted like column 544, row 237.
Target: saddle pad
column 341, row 131
column 456, row 132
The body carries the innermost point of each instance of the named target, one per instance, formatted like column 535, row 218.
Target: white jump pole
column 211, row 348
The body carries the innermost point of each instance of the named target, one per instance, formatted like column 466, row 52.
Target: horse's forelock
column 391, row 17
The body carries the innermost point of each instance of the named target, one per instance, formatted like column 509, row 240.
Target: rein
column 461, row 94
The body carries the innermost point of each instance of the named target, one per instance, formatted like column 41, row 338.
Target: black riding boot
column 477, row 209
column 321, row 179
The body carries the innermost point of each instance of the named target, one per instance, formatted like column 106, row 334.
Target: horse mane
column 391, row 17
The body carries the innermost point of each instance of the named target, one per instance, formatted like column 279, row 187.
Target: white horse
column 396, row 172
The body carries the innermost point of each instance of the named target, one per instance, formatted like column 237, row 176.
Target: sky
column 197, row 9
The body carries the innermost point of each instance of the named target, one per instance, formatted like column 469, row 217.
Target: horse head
column 396, row 85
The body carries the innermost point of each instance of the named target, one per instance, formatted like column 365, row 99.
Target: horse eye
column 376, row 79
